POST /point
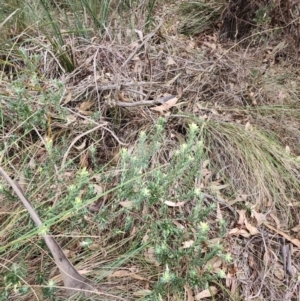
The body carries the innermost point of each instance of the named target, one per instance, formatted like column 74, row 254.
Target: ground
column 162, row 158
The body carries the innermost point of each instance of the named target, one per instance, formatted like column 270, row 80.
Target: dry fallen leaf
column 140, row 34
column 207, row 293
column 98, row 189
column 229, row 279
column 81, row 146
column 174, row 204
column 242, row 217
column 213, row 242
column 166, row 106
column 138, row 277
column 253, row 230
column 205, row 163
column 275, row 218
column 215, row 187
column 278, row 272
column 84, row 159
column 260, row 217
column 212, row 46
column 187, row 244
column 127, row 204
column 248, row 127
column 215, row 263
column 219, row 213
column 142, row 293
column 178, row 225
column 294, row 241
column 70, row 119
column 170, row 62
column 120, row 274
column 237, row 232
column 146, row 237
column 86, row 105
column 68, row 98
column 191, row 45
column 149, row 255
column 296, row 229
column 84, row 272
column 189, row 293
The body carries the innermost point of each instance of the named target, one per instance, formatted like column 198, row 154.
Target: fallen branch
column 73, row 281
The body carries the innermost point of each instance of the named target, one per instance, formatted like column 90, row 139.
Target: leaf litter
column 104, row 72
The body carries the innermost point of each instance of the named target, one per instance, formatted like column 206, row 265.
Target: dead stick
column 71, row 278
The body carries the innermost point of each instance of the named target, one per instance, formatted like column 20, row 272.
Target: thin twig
column 119, row 86
column 208, row 196
column 143, row 43
column 96, row 123
column 137, row 103
column 63, row 163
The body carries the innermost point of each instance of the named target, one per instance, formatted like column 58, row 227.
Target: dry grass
column 244, row 99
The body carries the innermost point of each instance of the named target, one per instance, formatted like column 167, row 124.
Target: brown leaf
column 237, row 232
column 120, row 274
column 253, row 230
column 127, row 204
column 166, row 106
column 190, row 46
column 138, row 67
column 84, row 271
column 187, row 244
column 219, row 213
column 207, row 293
column 164, row 98
column 85, row 113
column 189, row 293
column 248, row 127
column 266, row 258
column 294, row 241
column 216, row 187
column 70, row 119
column 260, row 217
column 229, row 280
column 251, row 261
column 214, row 241
column 142, row 293
column 296, row 229
column 122, row 96
column 133, row 231
column 212, row 46
column 242, row 217
column 278, row 272
column 98, row 189
column 86, row 105
column 275, row 218
column 174, row 204
column 68, row 98
column 178, row 225
column 215, row 263
column 179, row 91
column 149, row 255
column 84, row 159
column 81, row 146
column 170, row 62
column 138, row 277
column 140, row 34
column 145, row 237
column 205, row 163
column 173, row 80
